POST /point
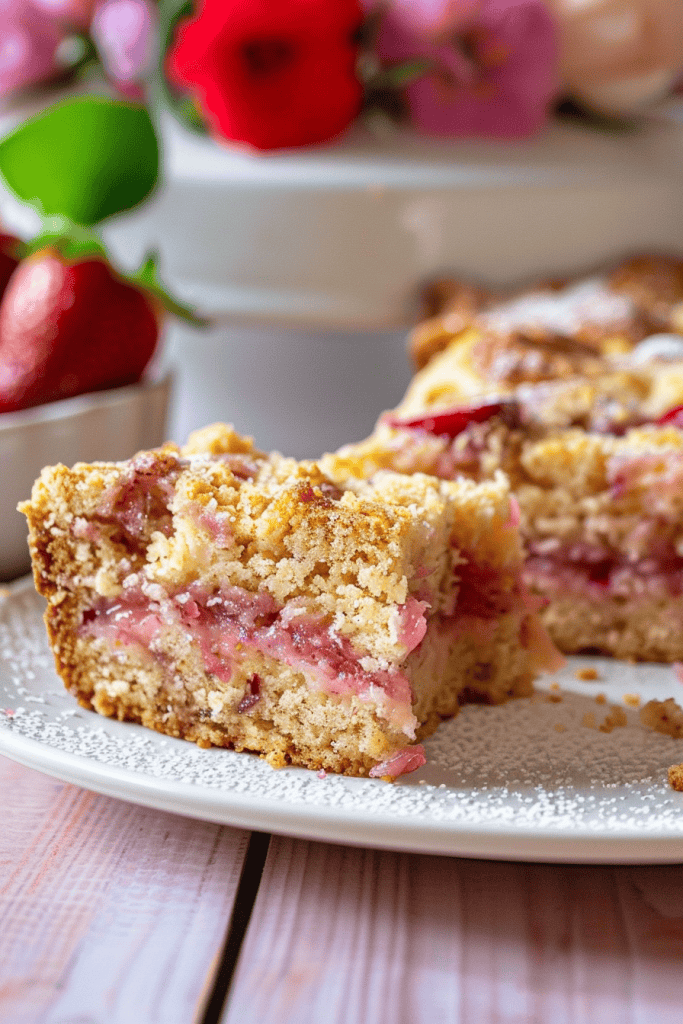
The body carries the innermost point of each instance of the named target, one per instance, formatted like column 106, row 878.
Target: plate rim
column 324, row 824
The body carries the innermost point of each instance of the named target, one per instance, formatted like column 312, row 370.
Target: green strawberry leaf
column 147, row 277
column 73, row 242
column 85, row 159
column 184, row 106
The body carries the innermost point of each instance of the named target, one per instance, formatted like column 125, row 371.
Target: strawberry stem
column 72, row 241
column 147, row 278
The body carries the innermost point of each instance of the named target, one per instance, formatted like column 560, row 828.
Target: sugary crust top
column 607, row 493
column 618, row 392
column 577, row 483
column 655, row 285
column 480, row 514
column 523, row 335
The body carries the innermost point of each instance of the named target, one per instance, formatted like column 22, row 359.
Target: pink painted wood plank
column 109, row 913
column 343, row 936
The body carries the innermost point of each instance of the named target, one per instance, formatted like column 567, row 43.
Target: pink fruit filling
column 139, row 501
column 406, row 760
column 615, row 577
column 674, row 417
column 413, row 623
column 229, row 623
column 252, row 694
column 481, row 592
column 217, row 525
column 659, row 474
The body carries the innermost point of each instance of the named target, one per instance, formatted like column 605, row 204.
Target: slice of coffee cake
column 597, row 468
column 238, row 599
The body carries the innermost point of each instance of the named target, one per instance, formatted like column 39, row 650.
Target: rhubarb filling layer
column 226, row 625
column 617, row 578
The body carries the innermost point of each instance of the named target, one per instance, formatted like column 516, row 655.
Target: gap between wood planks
column 247, row 890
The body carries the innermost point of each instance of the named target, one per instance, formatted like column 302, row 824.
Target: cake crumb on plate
column 587, row 674
column 665, row 716
column 676, row 777
column 616, row 719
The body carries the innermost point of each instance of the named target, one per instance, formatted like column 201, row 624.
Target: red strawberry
column 9, row 258
column 71, row 327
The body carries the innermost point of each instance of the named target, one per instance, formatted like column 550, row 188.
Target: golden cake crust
column 676, row 777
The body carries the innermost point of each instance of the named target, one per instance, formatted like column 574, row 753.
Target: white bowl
column 106, row 425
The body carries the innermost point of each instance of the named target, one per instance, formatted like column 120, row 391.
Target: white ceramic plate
column 526, row 781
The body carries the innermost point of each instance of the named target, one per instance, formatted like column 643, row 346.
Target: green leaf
column 147, row 277
column 85, row 159
column 171, row 12
column 72, row 241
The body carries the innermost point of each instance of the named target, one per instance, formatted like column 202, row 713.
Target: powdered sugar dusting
column 565, row 311
column 530, row 765
column 667, row 347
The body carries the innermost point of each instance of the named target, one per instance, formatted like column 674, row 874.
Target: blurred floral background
column 284, row 73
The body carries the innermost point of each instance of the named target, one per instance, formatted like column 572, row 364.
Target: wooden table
column 115, row 914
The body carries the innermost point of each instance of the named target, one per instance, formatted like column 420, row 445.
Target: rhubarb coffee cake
column 240, row 599
column 596, row 466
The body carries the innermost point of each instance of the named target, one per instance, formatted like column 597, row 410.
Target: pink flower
column 32, row 33
column 124, row 32
column 68, row 13
column 428, row 19
column 494, row 64
column 28, row 46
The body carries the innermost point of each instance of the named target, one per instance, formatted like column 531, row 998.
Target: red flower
column 271, row 73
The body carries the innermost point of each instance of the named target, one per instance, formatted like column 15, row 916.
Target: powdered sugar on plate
column 533, row 779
